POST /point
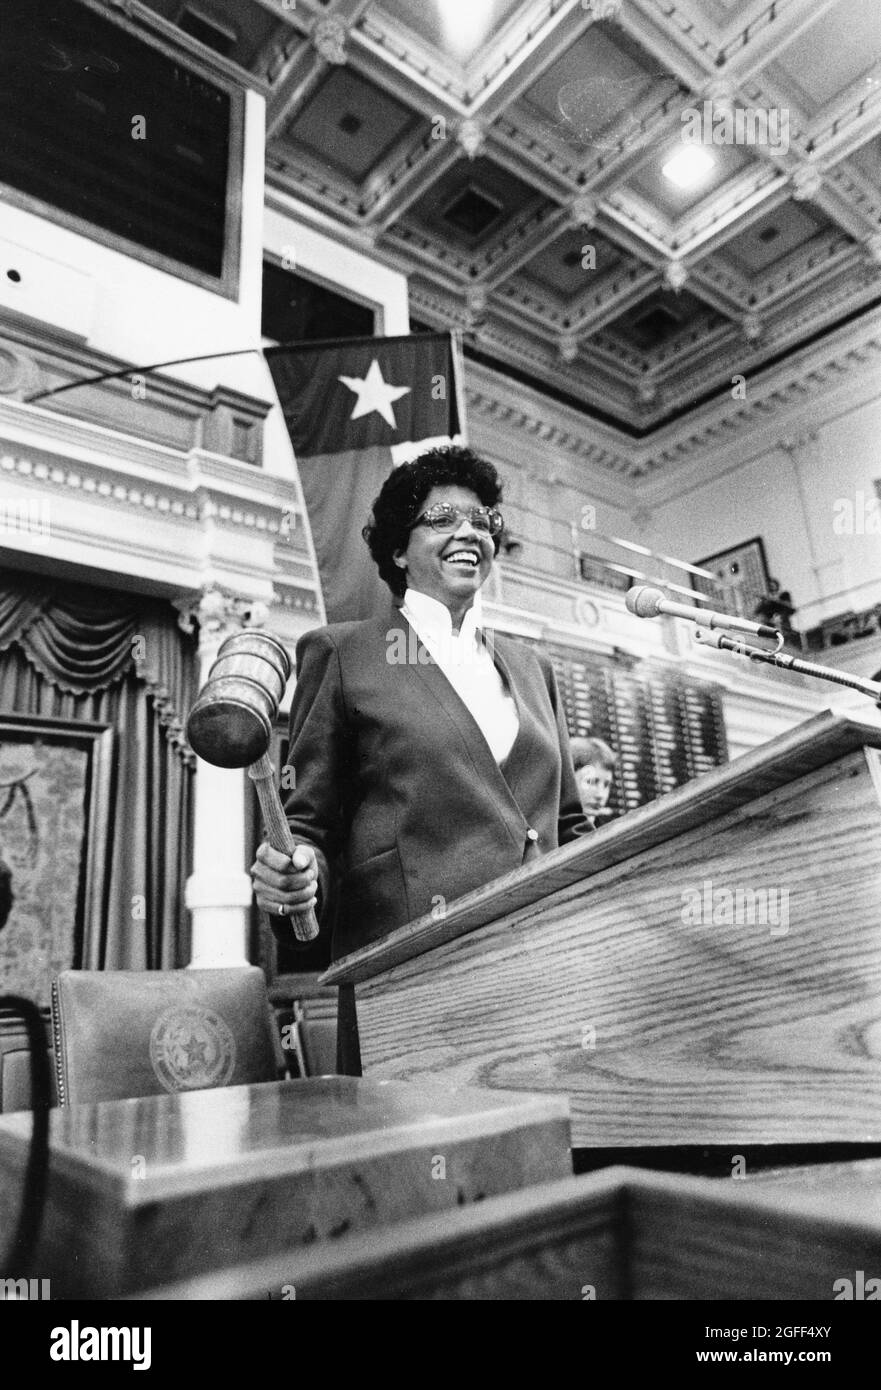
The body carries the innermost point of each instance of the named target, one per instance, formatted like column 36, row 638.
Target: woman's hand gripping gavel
column 230, row 725
column 285, row 884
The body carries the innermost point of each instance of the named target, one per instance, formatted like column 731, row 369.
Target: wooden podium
column 704, row 971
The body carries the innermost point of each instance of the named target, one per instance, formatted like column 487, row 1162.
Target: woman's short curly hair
column 403, row 494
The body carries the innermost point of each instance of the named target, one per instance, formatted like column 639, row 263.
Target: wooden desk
column 165, row 1187
column 622, row 1234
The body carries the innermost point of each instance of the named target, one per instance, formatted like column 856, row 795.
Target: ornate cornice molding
column 717, row 436
column 60, row 452
column 792, row 398
column 494, row 399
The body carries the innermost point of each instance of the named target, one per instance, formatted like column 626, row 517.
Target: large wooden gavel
column 230, row 725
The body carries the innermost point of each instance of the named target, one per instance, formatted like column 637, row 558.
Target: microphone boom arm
column 785, row 662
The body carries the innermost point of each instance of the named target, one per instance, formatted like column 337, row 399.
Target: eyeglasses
column 443, row 516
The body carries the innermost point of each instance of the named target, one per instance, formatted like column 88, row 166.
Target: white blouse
column 467, row 665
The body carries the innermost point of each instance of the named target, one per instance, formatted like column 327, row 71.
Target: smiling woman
column 430, row 756
column 435, row 528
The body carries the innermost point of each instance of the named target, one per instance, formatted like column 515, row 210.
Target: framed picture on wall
column 55, row 780
column 593, row 570
column 740, row 577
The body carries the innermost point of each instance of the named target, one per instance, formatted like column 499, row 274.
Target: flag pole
column 459, row 378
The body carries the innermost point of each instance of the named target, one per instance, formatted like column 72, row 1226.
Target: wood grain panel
column 167, row 1187
column 662, row 1031
column 734, row 1244
column 545, row 1243
column 801, row 750
column 620, row 1234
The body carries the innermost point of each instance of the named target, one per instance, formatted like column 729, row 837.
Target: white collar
column 434, row 618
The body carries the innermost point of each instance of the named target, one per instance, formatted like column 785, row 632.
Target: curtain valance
column 84, row 640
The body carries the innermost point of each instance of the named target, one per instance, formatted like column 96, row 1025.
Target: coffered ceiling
column 510, row 156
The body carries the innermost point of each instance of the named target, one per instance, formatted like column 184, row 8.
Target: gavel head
column 230, row 724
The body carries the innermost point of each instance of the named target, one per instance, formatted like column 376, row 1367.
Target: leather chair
column 125, row 1033
column 15, row 1082
column 314, row 1044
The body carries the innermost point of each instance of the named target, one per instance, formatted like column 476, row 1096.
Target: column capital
column 471, row 137
column 807, row 181
column 219, row 613
column 675, row 275
column 329, row 38
column 582, row 212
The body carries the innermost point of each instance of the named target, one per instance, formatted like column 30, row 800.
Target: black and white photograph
column 440, row 669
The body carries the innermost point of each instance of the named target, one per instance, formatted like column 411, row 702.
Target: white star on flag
column 374, row 394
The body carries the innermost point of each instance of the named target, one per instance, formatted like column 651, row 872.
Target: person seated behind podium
column 429, row 756
column 594, row 770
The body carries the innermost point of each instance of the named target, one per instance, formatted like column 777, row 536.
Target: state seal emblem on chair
column 191, row 1048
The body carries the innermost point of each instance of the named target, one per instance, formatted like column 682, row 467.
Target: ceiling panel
column 868, row 160
column 466, row 195
column 559, row 266
column 596, row 83
column 653, row 186
column 659, row 318
column 720, row 12
column 774, row 237
column 459, row 27
column 350, row 124
column 843, row 47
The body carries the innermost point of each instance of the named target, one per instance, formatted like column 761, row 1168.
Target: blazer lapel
column 513, row 763
column 426, row 670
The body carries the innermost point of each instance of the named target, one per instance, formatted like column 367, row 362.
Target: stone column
column 218, row 892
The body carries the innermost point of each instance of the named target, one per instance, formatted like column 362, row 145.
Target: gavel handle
column 262, row 774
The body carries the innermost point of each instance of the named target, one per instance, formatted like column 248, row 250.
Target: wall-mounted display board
column 665, row 727
column 118, row 136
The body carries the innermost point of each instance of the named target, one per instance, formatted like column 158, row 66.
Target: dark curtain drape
column 73, row 652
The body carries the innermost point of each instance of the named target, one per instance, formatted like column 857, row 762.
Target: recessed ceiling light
column 466, row 23
column 689, row 166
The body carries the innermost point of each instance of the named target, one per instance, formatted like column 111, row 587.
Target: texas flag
column 354, row 408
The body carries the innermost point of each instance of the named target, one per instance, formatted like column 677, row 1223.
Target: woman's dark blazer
column 395, row 785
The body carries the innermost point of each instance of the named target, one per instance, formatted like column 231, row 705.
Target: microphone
column 646, row 602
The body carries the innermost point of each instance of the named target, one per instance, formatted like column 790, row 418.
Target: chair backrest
column 15, row 1082
column 119, row 1034
column 316, row 1046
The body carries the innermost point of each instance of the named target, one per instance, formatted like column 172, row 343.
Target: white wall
column 787, row 494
